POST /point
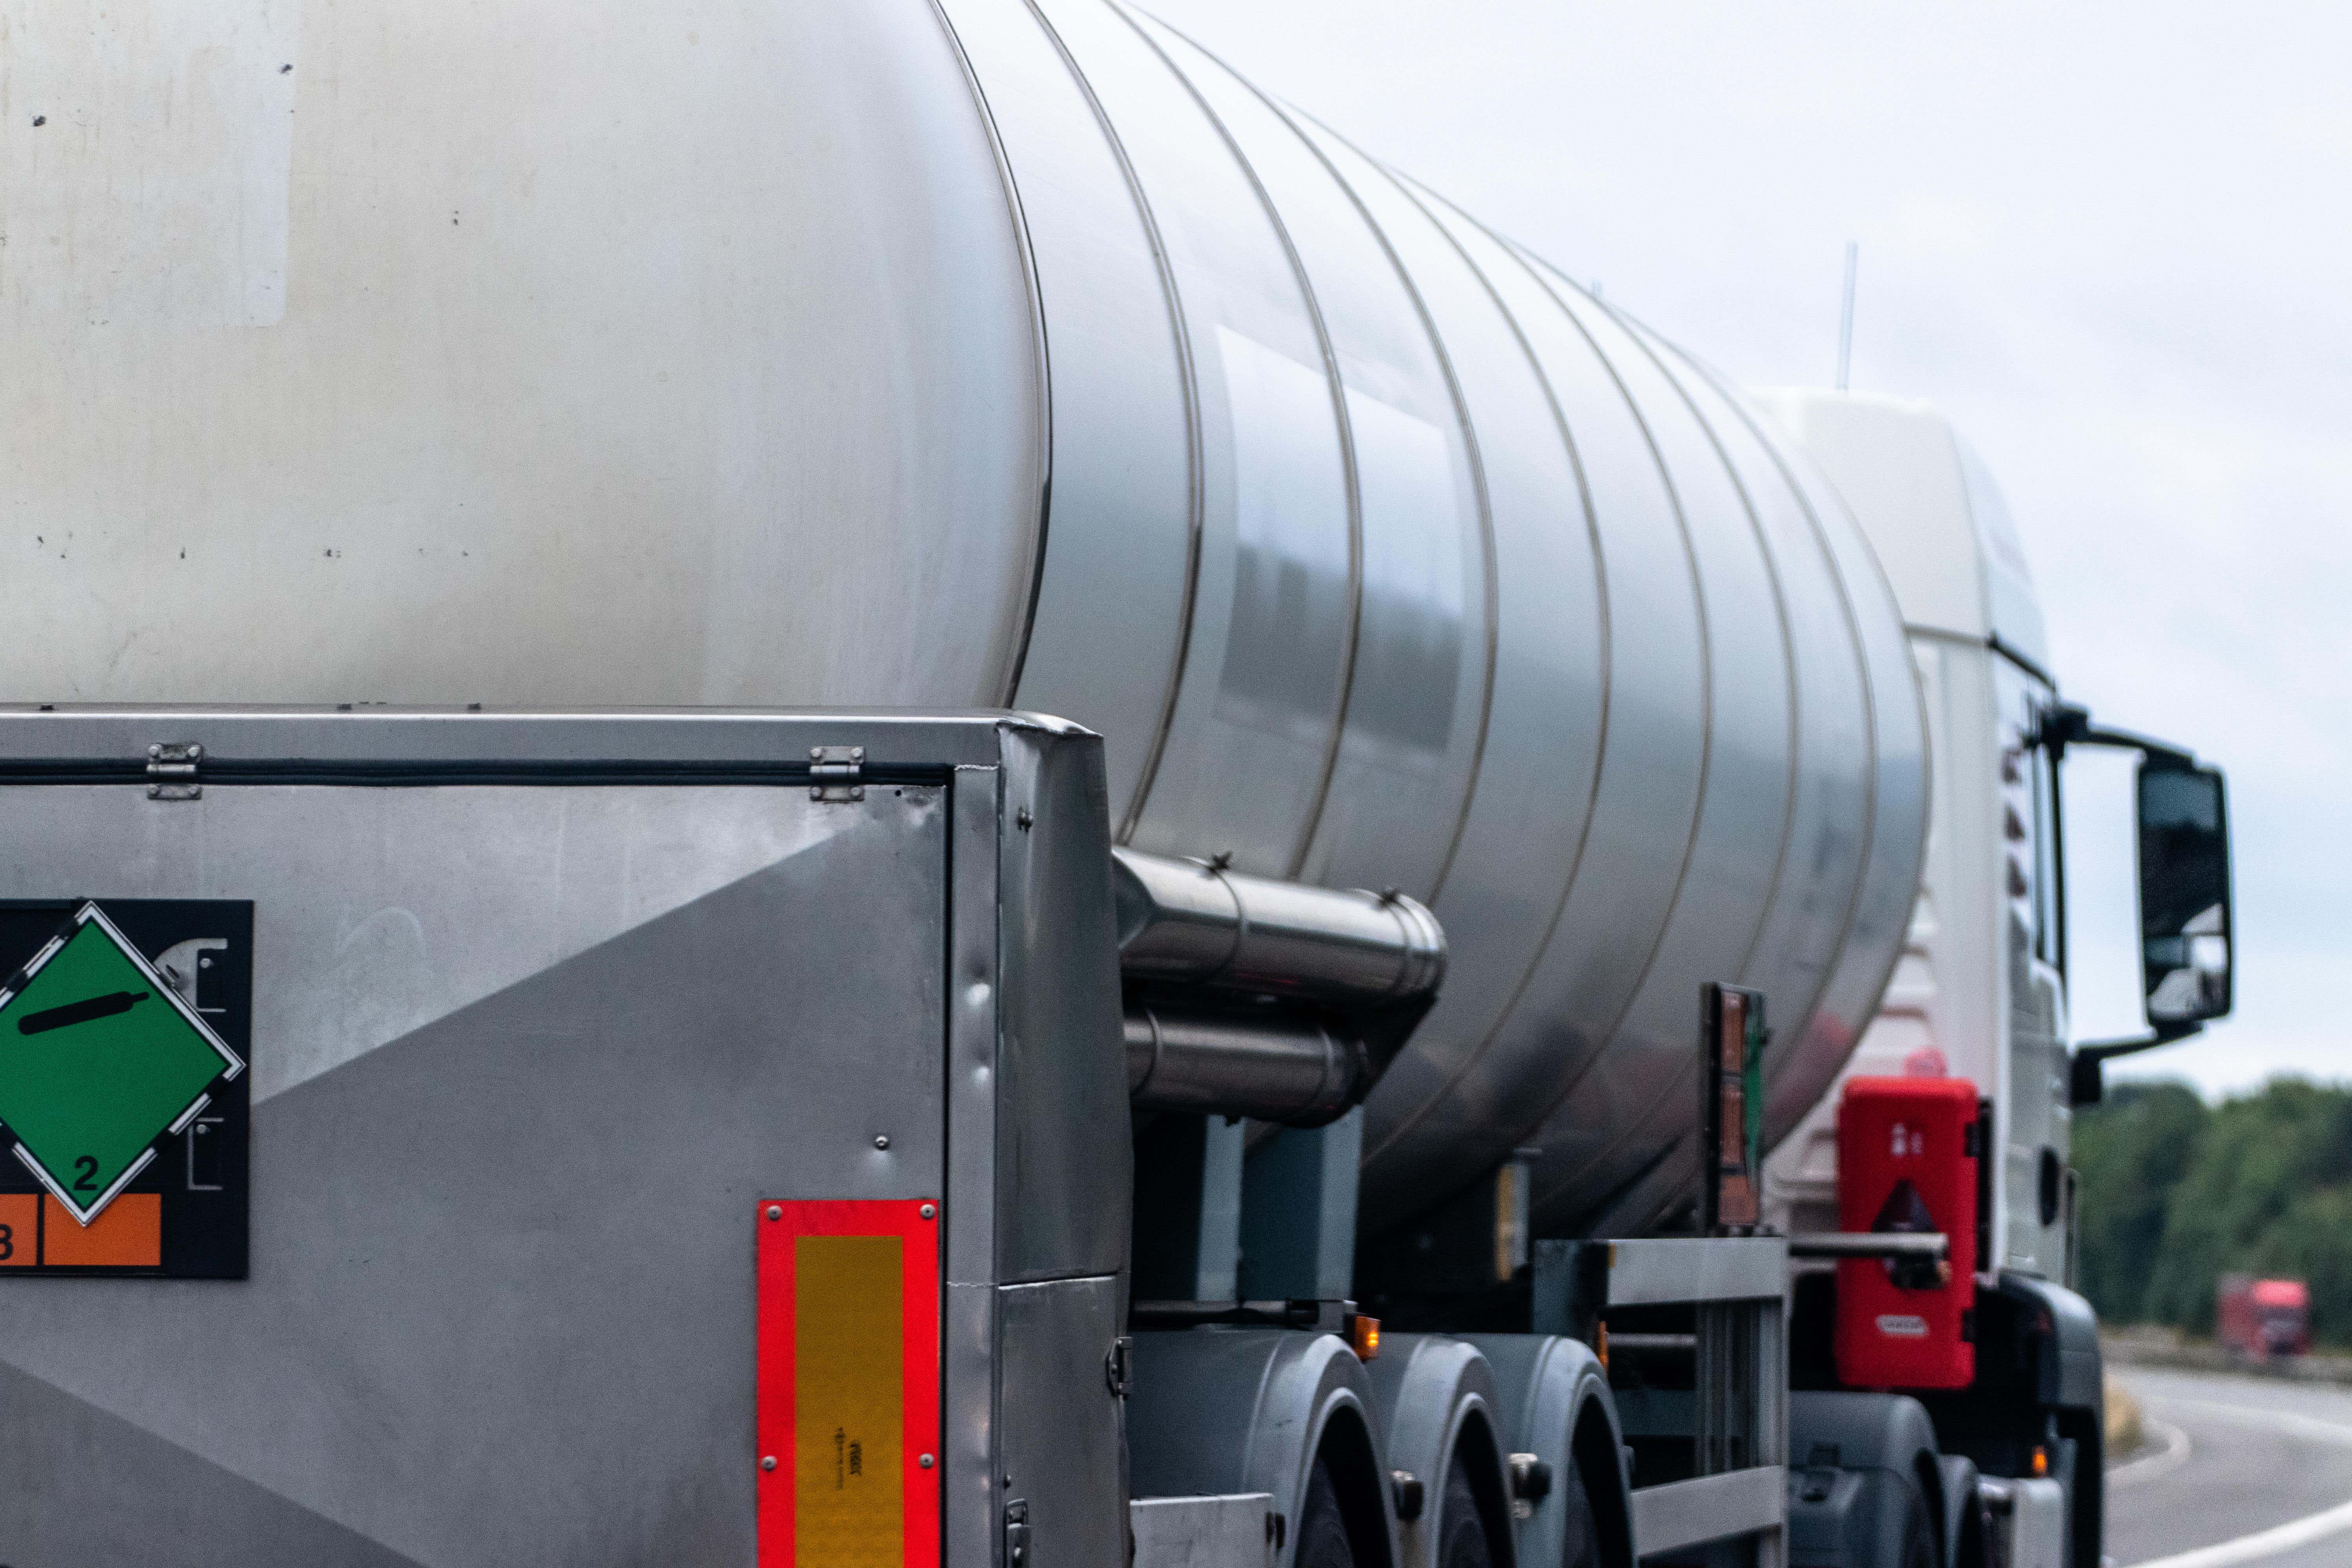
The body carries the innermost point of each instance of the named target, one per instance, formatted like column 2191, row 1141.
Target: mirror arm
column 2158, row 1034
column 2088, row 1074
column 2069, row 725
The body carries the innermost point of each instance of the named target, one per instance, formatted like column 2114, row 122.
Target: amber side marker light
column 1364, row 1336
column 2040, row 1462
column 1601, row 1344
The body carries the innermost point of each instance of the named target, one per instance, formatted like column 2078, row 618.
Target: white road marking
column 2279, row 1538
column 2163, row 1462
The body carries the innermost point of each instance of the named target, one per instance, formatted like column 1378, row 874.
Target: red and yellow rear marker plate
column 848, row 1419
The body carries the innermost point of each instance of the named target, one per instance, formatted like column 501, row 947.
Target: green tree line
column 2176, row 1192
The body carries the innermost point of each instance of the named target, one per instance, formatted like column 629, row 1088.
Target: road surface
column 2236, row 1470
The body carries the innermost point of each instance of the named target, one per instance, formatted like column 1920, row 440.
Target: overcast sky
column 2114, row 243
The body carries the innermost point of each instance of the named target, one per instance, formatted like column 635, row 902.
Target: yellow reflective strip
column 848, row 1401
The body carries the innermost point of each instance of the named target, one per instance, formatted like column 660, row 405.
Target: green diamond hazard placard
column 100, row 1059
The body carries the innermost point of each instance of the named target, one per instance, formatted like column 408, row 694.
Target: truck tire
column 1579, row 1531
column 1918, row 1535
column 1462, row 1541
column 1322, row 1528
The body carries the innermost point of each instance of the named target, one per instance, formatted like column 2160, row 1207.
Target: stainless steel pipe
column 1283, row 1068
column 1196, row 922
column 1929, row 1246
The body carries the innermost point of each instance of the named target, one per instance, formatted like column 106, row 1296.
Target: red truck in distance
column 2261, row 1319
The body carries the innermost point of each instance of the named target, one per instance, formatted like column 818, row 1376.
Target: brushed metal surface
column 1228, row 1532
column 1266, row 1069
column 1379, row 553
column 1063, row 1158
column 1725, row 884
column 654, row 998
column 1267, row 660
column 1681, row 1514
column 584, row 1141
column 1672, row 1268
column 969, row 1501
column 1486, row 1068
column 569, row 401
column 1197, row 923
column 1064, row 1450
column 1107, row 629
column 1406, row 753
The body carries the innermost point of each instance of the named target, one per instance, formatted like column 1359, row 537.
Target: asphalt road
column 2236, row 1470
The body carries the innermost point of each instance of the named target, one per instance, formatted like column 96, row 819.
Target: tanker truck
column 901, row 784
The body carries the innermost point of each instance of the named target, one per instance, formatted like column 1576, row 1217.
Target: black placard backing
column 200, row 1172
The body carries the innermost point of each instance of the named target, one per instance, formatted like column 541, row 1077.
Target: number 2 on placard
column 85, row 1170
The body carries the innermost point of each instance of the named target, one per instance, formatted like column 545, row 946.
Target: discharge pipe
column 1196, row 923
column 1277, row 1001
column 1273, row 1069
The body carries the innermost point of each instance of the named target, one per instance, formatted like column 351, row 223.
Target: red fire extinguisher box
column 1907, row 1153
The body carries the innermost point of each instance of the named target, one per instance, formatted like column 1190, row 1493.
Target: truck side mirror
column 2184, row 891
column 2187, row 935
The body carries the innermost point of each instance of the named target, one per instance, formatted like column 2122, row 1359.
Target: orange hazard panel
column 848, row 1423
column 127, row 1234
column 20, row 1229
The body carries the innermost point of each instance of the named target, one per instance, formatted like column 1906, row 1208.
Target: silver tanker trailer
column 565, row 1006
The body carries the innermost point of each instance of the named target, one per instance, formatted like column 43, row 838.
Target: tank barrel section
column 1250, row 996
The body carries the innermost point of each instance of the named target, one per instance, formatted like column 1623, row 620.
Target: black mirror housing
column 2187, row 950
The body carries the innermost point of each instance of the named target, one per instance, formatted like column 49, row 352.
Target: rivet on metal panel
column 1023, row 820
column 928, row 1212
column 767, row 1461
column 775, row 1211
column 882, row 1140
column 926, row 1461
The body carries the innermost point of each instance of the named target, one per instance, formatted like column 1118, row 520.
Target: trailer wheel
column 1463, row 1540
column 1580, row 1533
column 1918, row 1534
column 1322, row 1527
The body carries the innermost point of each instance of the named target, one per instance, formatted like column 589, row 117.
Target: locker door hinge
column 1016, row 1533
column 174, row 768
column 1118, row 1364
column 836, row 771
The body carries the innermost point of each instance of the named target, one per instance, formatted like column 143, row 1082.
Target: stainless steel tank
column 975, row 353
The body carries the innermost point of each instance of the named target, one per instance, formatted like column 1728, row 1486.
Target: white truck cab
column 1978, row 990
column 1981, row 980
